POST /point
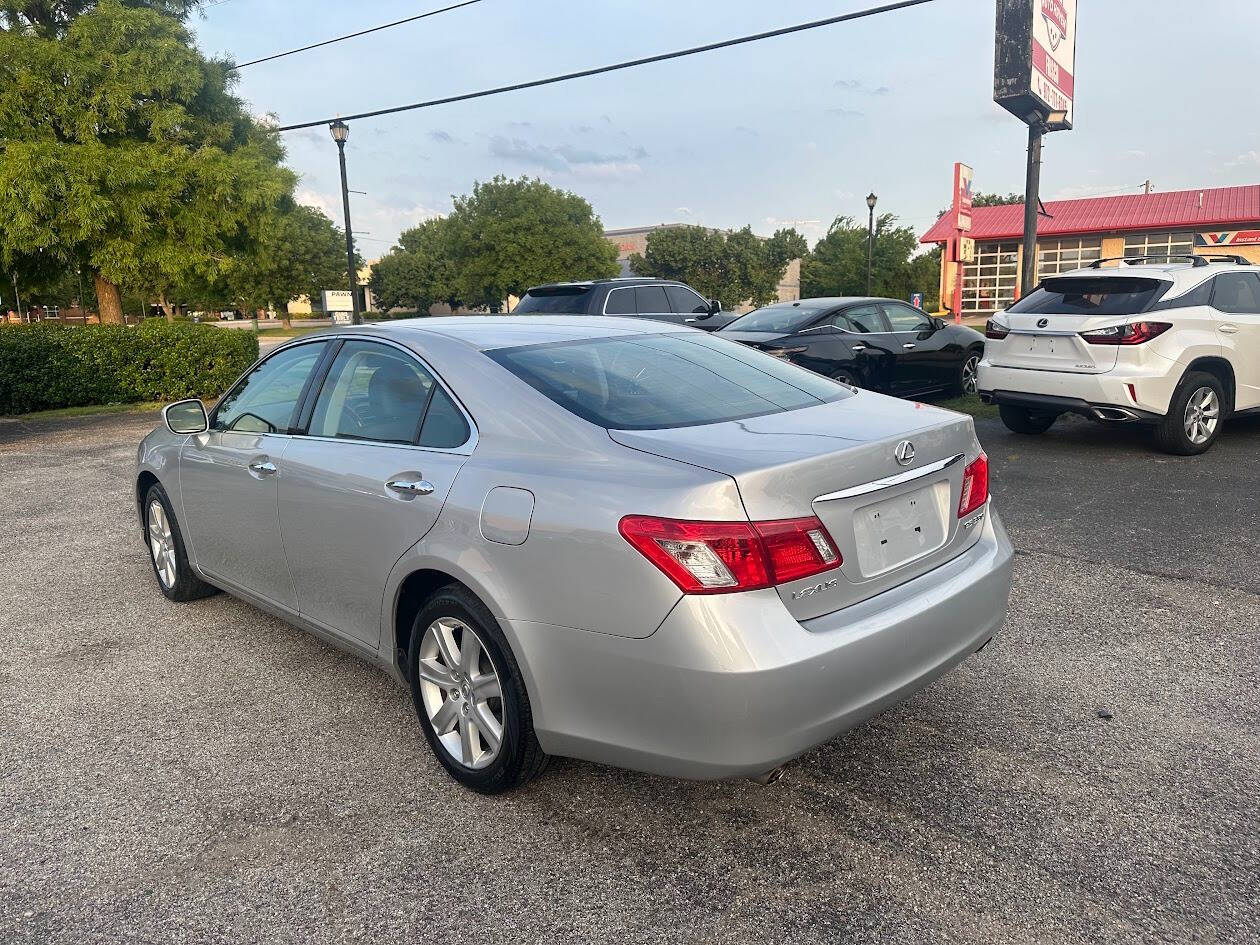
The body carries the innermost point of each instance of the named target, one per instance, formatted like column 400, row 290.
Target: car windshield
column 1103, row 295
column 652, row 382
column 778, row 318
column 554, row 300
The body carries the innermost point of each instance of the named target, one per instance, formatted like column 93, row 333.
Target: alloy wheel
column 1203, row 414
column 970, row 371
column 162, row 544
column 462, row 696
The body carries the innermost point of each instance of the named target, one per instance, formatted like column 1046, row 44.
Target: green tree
column 50, row 18
column 736, row 267
column 419, row 271
column 837, row 266
column 124, row 150
column 508, row 235
column 299, row 252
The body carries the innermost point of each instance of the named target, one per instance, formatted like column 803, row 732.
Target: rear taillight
column 975, row 487
column 993, row 330
column 1133, row 333
column 719, row 557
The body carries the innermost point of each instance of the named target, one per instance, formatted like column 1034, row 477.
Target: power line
column 708, row 47
column 338, row 39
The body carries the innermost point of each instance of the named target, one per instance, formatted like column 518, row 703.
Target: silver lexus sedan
column 628, row 542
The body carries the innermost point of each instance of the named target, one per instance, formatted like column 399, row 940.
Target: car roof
column 1183, row 275
column 622, row 280
column 487, row 332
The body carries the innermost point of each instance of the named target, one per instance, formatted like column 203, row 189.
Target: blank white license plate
column 896, row 531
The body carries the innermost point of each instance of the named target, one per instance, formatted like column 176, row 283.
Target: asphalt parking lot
column 204, row 773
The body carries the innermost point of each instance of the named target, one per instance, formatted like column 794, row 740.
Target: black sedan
column 880, row 344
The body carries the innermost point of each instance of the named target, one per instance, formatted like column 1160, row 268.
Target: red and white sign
column 962, row 196
column 1054, row 54
column 1229, row 238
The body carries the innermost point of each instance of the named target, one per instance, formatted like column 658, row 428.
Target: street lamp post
column 870, row 239
column 340, row 132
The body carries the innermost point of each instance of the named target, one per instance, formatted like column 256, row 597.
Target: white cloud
column 311, row 198
column 1246, row 159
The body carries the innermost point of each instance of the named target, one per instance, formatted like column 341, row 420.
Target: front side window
column 906, row 318
column 1237, row 293
column 647, row 382
column 686, row 302
column 378, row 394
column 266, row 400
column 1102, row 295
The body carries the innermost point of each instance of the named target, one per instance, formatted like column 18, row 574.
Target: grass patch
column 91, row 410
column 969, row 403
column 289, row 332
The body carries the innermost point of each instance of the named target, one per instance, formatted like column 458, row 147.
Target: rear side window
column 1237, row 293
column 619, row 302
column 650, row 300
column 1104, row 295
column 648, row 382
column 554, row 300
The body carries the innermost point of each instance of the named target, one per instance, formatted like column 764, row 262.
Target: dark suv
column 639, row 298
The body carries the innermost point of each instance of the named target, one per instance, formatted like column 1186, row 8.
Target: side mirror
column 186, row 416
column 714, row 306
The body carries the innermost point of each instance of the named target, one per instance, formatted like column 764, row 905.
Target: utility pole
column 1146, row 187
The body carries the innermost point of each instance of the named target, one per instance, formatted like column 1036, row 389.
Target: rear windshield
column 1104, row 295
column 554, row 300
column 651, row 382
column 777, row 318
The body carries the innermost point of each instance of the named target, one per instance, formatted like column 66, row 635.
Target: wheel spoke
column 489, row 727
column 466, row 738
column 445, row 635
column 434, row 672
column 469, row 654
column 486, row 687
column 445, row 718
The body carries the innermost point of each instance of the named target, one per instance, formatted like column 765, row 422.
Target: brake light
column 1134, row 333
column 720, row 557
column 975, row 486
column 993, row 330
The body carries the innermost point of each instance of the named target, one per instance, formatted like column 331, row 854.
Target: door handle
column 690, row 321
column 410, row 487
column 857, row 347
column 908, row 345
column 1229, row 329
column 264, row 467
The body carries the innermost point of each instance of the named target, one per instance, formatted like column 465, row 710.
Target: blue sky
column 791, row 131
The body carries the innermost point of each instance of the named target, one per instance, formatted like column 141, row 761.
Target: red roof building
column 1073, row 233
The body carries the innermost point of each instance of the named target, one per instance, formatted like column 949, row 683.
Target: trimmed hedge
column 46, row 366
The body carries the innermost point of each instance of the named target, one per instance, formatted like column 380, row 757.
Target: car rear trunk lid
column 890, row 522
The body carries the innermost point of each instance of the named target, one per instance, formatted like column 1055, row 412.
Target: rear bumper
column 732, row 685
column 1045, row 403
column 1083, row 393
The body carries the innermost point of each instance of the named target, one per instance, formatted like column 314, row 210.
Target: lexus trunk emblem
column 904, row 453
column 1043, row 322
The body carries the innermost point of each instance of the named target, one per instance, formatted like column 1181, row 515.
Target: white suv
column 1174, row 345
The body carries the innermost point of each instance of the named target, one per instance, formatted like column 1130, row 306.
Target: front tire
column 1194, row 417
column 1023, row 420
column 469, row 695
column 167, row 554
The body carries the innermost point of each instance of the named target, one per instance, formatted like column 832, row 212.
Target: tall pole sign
column 961, row 214
column 1034, row 78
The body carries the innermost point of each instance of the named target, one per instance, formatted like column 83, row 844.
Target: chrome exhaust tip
column 1115, row 414
column 770, row 777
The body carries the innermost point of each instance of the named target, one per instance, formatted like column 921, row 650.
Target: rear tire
column 460, row 706
column 1194, row 417
column 844, row 377
column 968, row 372
column 1023, row 420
